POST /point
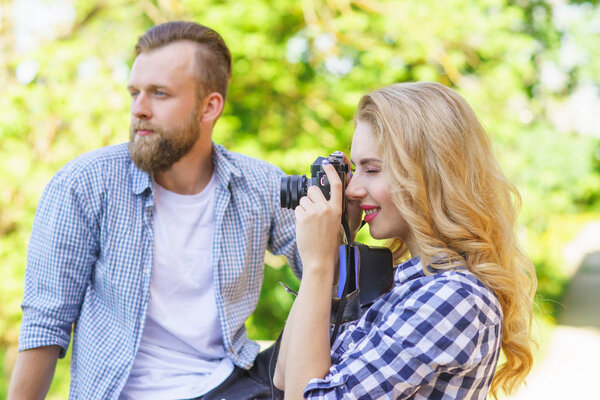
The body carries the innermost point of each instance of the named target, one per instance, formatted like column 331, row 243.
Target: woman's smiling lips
column 370, row 212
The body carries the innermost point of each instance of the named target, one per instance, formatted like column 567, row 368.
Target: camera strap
column 349, row 274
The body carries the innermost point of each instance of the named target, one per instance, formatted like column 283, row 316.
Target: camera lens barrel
column 293, row 188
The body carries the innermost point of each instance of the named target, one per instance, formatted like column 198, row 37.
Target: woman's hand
column 305, row 353
column 318, row 223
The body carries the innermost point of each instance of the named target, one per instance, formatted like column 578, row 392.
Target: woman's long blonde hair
column 457, row 202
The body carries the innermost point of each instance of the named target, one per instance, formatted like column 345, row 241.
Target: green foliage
column 529, row 68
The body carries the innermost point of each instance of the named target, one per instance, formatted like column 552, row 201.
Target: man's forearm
column 33, row 372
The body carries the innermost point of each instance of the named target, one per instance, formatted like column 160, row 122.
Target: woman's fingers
column 335, row 184
column 314, row 204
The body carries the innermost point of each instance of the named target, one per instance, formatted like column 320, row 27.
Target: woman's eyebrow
column 364, row 161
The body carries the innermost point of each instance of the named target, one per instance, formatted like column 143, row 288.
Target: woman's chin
column 377, row 235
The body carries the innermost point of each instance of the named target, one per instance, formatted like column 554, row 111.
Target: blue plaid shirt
column 431, row 337
column 90, row 260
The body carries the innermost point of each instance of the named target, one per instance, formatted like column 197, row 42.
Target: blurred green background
column 529, row 68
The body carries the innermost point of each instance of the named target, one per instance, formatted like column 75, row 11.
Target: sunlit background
column 529, row 68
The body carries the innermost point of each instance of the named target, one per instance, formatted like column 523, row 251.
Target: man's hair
column 213, row 59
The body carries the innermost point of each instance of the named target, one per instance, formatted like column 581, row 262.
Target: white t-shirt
column 181, row 354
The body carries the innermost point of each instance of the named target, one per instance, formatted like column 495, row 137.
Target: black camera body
column 294, row 187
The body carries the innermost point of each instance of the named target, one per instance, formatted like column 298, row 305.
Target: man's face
column 164, row 106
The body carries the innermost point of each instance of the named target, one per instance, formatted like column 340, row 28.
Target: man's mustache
column 138, row 125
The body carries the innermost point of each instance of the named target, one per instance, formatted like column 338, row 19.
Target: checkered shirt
column 90, row 259
column 431, row 337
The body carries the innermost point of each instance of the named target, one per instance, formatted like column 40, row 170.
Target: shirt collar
column 408, row 270
column 225, row 169
column 140, row 180
column 413, row 269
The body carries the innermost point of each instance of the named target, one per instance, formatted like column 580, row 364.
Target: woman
column 426, row 179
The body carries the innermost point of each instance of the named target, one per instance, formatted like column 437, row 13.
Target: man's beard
column 163, row 148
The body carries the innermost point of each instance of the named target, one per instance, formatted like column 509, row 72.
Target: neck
column 192, row 173
column 413, row 247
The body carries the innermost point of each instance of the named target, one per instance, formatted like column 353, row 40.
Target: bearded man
column 151, row 254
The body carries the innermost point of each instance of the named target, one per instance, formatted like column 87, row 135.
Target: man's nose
column 140, row 107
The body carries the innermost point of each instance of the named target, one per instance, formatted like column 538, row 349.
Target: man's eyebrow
column 151, row 87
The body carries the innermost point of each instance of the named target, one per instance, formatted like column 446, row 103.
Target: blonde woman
column 426, row 179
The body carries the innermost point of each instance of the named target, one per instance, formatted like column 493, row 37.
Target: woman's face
column 369, row 186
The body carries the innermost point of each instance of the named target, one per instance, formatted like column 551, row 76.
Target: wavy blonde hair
column 457, row 202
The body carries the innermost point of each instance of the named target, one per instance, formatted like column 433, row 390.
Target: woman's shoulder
column 453, row 294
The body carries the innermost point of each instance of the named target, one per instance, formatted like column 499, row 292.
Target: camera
column 365, row 273
column 294, row 187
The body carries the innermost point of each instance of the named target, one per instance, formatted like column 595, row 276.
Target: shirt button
column 336, row 378
column 351, row 346
column 351, row 328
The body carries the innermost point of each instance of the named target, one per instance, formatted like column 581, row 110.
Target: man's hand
column 33, row 373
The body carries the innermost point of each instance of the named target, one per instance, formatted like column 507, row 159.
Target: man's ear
column 212, row 107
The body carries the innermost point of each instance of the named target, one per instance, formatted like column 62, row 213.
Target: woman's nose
column 355, row 190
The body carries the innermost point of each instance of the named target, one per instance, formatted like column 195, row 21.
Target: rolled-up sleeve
column 60, row 255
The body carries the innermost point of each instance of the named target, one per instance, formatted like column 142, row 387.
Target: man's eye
column 160, row 93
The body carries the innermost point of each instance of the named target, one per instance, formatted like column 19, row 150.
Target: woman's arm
column 305, row 353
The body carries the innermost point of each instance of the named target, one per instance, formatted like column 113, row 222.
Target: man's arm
column 282, row 236
column 33, row 373
column 61, row 252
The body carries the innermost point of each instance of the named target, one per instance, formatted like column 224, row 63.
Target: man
column 153, row 252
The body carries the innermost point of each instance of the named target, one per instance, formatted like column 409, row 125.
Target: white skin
column 369, row 187
column 163, row 93
column 305, row 352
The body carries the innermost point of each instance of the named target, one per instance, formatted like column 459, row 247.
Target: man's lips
column 370, row 212
column 144, row 132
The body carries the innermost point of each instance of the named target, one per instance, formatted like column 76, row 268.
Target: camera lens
column 293, row 188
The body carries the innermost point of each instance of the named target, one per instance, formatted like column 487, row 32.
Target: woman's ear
column 212, row 107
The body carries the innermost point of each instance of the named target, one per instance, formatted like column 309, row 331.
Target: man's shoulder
column 115, row 156
column 248, row 166
column 115, row 153
column 95, row 168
